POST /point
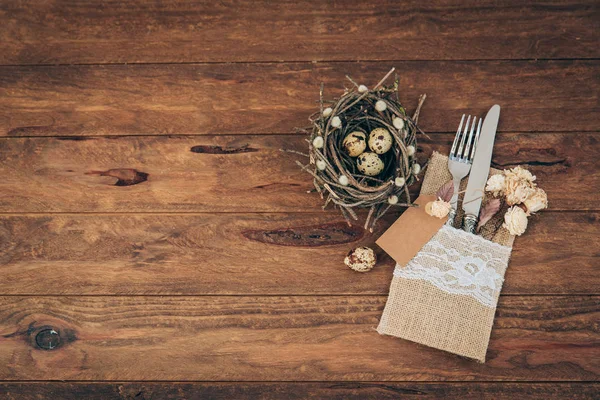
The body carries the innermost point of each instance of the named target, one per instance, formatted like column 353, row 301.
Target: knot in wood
column 47, row 339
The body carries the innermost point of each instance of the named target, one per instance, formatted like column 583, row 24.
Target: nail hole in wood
column 47, row 339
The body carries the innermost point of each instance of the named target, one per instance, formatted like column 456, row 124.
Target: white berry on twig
column 318, row 142
column 336, row 122
column 398, row 123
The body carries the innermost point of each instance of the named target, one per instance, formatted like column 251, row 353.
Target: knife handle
column 469, row 223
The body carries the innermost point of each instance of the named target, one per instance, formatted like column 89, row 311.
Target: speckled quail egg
column 361, row 259
column 380, row 140
column 369, row 164
column 355, row 143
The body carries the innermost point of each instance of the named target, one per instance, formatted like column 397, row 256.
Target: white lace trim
column 460, row 263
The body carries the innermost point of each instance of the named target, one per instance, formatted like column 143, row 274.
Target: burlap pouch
column 446, row 296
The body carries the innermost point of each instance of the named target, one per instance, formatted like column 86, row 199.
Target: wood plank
column 283, row 338
column 254, row 254
column 69, row 32
column 293, row 391
column 536, row 96
column 239, row 173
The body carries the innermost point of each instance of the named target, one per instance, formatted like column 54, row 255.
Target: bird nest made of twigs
column 362, row 150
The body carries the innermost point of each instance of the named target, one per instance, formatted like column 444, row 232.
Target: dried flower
column 327, row 112
column 321, row 165
column 496, row 184
column 515, row 220
column 380, row 105
column 446, row 191
column 363, row 89
column 537, row 201
column 520, row 173
column 393, row 199
column 336, row 122
column 398, row 123
column 400, row 181
column 416, row 168
column 517, row 189
column 343, row 180
column 318, row 142
column 410, row 150
column 438, row 208
column 488, row 211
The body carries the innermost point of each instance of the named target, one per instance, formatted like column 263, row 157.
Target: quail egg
column 355, row 143
column 380, row 140
column 369, row 164
column 361, row 259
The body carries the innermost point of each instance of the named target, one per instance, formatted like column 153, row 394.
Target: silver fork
column 461, row 157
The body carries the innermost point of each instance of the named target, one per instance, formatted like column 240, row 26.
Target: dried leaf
column 488, row 211
column 446, row 192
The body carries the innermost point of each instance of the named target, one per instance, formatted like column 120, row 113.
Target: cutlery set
column 471, row 155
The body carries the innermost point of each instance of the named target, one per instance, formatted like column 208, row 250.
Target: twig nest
column 367, row 141
column 370, row 164
column 361, row 259
column 380, row 140
column 355, row 143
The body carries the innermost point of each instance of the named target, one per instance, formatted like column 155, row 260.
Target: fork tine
column 464, row 138
column 477, row 135
column 470, row 149
column 456, row 138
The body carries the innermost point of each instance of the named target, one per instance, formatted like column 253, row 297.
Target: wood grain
column 68, row 32
column 301, row 338
column 536, row 96
column 286, row 254
column 294, row 391
column 239, row 173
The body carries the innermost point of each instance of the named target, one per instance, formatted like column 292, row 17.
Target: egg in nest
column 369, row 164
column 355, row 143
column 380, row 140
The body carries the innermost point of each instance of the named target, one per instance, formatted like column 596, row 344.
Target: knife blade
column 480, row 169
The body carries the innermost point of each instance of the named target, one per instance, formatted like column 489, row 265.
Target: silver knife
column 480, row 169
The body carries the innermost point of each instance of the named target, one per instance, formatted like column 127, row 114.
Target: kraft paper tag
column 403, row 240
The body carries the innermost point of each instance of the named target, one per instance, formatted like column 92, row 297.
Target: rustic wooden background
column 148, row 217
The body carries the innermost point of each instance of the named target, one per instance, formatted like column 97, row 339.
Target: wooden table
column 156, row 243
